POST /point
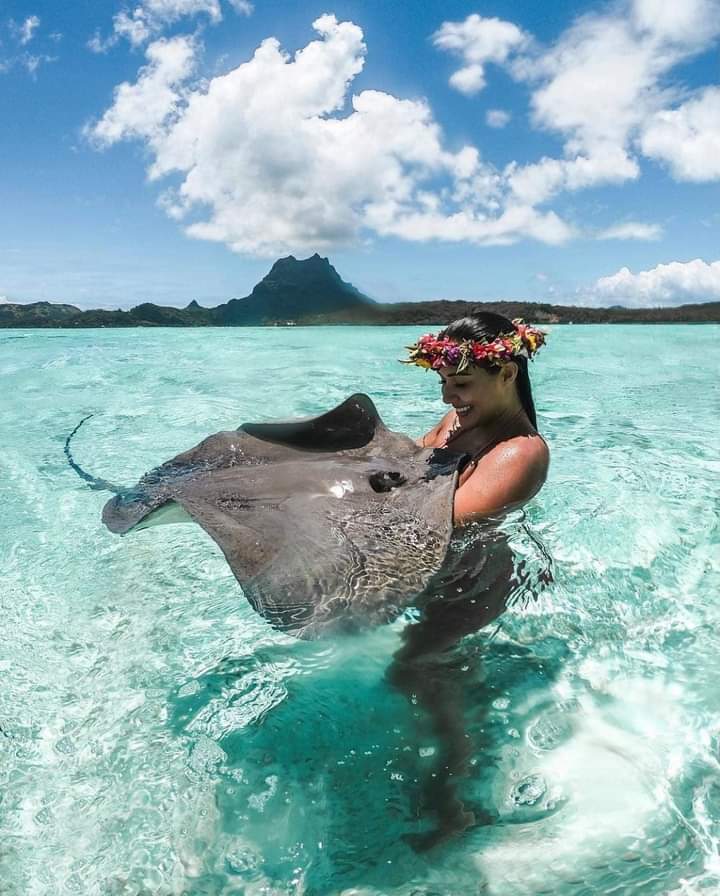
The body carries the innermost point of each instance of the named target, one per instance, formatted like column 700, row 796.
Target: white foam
column 612, row 775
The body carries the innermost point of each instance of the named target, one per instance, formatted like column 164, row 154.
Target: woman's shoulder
column 523, row 459
column 526, row 448
column 507, row 475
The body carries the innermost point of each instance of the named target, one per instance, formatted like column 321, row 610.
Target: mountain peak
column 314, row 273
column 295, row 288
column 291, row 264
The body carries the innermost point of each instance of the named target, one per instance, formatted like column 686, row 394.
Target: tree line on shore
column 48, row 315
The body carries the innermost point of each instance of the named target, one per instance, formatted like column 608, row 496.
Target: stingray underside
column 332, row 523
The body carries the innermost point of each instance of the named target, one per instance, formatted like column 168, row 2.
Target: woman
column 482, row 363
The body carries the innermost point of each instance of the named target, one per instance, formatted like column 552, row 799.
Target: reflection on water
column 157, row 737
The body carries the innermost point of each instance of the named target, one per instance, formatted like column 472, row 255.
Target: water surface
column 157, row 737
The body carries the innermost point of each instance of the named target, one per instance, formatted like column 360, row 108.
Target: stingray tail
column 93, row 481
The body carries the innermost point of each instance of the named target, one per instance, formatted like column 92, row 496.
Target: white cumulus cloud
column 687, row 138
column 539, row 181
column 277, row 155
column 22, row 34
column 631, row 230
column 676, row 283
column 497, row 118
column 603, row 88
column 32, row 62
column 172, row 10
column 150, row 17
column 143, row 108
column 244, row 7
column 690, row 23
column 134, row 27
column 477, row 41
column 501, row 230
column 25, row 31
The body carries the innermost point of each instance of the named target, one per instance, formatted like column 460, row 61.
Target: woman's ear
column 509, row 372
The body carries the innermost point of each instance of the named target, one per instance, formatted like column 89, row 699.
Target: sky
column 171, row 150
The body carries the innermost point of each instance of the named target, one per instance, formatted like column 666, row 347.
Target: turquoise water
column 158, row 738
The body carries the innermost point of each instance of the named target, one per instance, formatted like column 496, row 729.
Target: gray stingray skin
column 332, row 523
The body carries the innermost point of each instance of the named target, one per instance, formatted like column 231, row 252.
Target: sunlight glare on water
column 159, row 738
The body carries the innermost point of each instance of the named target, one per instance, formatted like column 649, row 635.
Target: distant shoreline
column 46, row 315
column 310, row 292
column 379, row 326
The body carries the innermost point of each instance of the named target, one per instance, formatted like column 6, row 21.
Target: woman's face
column 479, row 397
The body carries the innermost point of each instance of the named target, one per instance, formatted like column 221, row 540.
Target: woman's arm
column 429, row 439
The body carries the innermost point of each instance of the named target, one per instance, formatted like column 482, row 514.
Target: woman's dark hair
column 484, row 326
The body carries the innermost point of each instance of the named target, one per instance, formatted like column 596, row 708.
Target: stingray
column 330, row 524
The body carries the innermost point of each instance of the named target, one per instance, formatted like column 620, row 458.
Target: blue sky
column 170, row 150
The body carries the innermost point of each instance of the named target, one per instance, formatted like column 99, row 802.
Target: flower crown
column 433, row 353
